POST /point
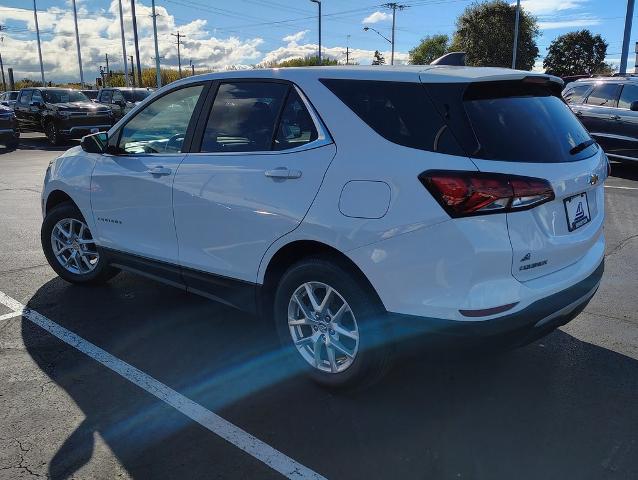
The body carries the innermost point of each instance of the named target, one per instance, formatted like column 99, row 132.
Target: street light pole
column 157, row 57
column 137, row 46
column 627, row 37
column 77, row 41
column 123, row 45
column 516, row 26
column 37, row 32
column 318, row 2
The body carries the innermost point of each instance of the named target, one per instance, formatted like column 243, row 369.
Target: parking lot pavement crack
column 22, row 269
column 621, row 245
column 21, row 189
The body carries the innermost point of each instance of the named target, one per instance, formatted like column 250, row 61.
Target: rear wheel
column 328, row 319
column 70, row 249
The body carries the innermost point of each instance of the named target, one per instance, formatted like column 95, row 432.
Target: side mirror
column 95, row 143
column 634, row 106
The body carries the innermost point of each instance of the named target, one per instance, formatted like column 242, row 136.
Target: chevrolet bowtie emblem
column 593, row 179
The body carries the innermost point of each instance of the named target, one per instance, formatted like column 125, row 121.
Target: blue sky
column 220, row 33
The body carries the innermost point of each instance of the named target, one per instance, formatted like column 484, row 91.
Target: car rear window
column 135, row 95
column 400, row 112
column 514, row 121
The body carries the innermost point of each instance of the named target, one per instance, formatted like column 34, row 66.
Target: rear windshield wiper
column 582, row 146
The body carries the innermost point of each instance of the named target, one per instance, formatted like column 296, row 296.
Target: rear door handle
column 160, row 171
column 283, row 172
column 615, row 117
column 579, row 113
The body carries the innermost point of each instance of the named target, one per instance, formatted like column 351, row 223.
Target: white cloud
column 377, row 17
column 584, row 22
column 541, row 7
column 295, row 37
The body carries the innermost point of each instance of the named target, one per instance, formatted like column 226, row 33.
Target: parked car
column 357, row 207
column 608, row 108
column 91, row 94
column 122, row 100
column 9, row 134
column 9, row 98
column 60, row 113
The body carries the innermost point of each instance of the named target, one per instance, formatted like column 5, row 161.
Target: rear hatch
column 522, row 127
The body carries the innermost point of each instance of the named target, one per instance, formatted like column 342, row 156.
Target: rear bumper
column 524, row 326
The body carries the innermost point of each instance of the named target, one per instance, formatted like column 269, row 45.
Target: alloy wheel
column 323, row 327
column 74, row 247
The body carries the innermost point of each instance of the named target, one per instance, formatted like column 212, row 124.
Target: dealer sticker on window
column 577, row 210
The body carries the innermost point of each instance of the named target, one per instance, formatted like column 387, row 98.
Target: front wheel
column 52, row 132
column 70, row 249
column 332, row 324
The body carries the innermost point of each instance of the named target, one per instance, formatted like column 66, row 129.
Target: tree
column 485, row 31
column 310, row 61
column 430, row 48
column 577, row 53
column 378, row 58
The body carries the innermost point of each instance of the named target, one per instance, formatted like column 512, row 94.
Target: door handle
column 579, row 113
column 615, row 117
column 160, row 171
column 283, row 173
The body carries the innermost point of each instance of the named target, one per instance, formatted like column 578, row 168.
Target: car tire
column 363, row 315
column 53, row 133
column 66, row 236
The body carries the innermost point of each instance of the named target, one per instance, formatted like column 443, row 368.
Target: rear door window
column 604, row 95
column 106, row 96
column 296, row 127
column 400, row 112
column 628, row 96
column 576, row 93
column 523, row 123
column 243, row 117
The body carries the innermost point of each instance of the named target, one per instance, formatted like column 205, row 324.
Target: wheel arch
column 57, row 197
column 297, row 250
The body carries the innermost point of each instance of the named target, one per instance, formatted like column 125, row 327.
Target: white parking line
column 7, row 316
column 621, row 188
column 209, row 420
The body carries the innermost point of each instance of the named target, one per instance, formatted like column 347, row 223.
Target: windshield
column 135, row 95
column 527, row 125
column 63, row 96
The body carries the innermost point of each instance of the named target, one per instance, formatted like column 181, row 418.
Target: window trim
column 323, row 135
column 190, row 130
column 625, row 85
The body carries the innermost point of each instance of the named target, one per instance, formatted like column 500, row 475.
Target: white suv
column 358, row 206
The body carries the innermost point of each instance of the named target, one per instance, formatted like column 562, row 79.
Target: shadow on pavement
column 560, row 408
column 626, row 170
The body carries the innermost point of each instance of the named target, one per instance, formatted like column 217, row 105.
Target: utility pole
column 108, row 72
column 137, row 45
column 132, row 71
column 4, row 83
column 158, row 72
column 318, row 2
column 516, row 24
column 77, row 41
column 123, row 45
column 627, row 37
column 190, row 62
column 348, row 50
column 394, row 7
column 37, row 32
column 179, row 57
column 635, row 64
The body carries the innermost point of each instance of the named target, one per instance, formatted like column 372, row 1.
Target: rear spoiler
column 455, row 59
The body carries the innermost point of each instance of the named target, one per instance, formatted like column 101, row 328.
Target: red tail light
column 463, row 194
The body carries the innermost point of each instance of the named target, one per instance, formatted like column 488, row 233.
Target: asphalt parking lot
column 563, row 407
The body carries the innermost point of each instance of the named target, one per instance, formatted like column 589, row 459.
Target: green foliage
column 378, row 58
column 430, row 48
column 577, row 53
column 311, row 61
column 486, row 32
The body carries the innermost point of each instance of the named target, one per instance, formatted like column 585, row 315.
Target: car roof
column 403, row 73
column 619, row 79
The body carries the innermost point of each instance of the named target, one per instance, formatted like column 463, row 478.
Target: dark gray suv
column 608, row 107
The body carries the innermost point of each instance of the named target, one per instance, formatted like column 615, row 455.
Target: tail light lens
column 463, row 194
